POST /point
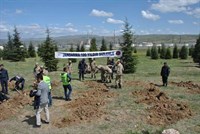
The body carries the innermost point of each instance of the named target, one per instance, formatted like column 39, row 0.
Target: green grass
column 126, row 117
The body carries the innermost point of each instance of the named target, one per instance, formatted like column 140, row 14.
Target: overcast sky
column 99, row 17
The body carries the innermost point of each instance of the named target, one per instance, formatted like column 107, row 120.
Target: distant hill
column 66, row 41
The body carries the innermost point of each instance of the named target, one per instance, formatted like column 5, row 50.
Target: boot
column 120, row 86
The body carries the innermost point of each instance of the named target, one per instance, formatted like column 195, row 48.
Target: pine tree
column 31, row 50
column 168, row 54
column 183, row 52
column 40, row 50
column 47, row 53
column 154, row 53
column 72, row 50
column 93, row 46
column 196, row 53
column 26, row 54
column 8, row 48
column 1, row 54
column 82, row 48
column 175, row 52
column 135, row 50
column 78, row 48
column 111, row 46
column 191, row 50
column 159, row 50
column 163, row 51
column 103, row 46
column 14, row 50
column 148, row 53
column 129, row 60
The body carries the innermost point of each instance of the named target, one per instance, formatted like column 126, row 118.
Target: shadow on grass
column 30, row 120
column 157, row 85
column 58, row 97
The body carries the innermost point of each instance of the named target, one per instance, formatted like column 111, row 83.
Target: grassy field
column 123, row 115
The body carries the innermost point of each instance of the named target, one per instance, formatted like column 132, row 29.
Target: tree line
column 165, row 53
column 15, row 50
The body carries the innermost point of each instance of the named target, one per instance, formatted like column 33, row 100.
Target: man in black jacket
column 165, row 71
column 81, row 67
column 4, row 79
column 19, row 80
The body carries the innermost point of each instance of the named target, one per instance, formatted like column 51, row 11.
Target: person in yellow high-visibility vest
column 65, row 79
column 47, row 80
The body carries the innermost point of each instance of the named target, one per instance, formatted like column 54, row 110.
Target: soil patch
column 87, row 107
column 55, row 83
column 12, row 106
column 134, row 83
column 162, row 110
column 192, row 87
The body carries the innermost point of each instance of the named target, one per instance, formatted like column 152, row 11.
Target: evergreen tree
column 168, row 54
column 148, row 53
column 8, row 48
column 111, row 46
column 191, row 50
column 154, row 53
column 82, row 48
column 93, row 46
column 175, row 52
column 72, row 50
column 163, row 51
column 26, row 52
column 77, row 49
column 47, row 53
column 129, row 60
column 14, row 49
column 103, row 46
column 19, row 52
column 183, row 52
column 1, row 54
column 31, row 50
column 40, row 49
column 135, row 50
column 196, row 52
column 159, row 50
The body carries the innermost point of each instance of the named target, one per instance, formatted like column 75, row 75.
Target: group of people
column 42, row 92
column 106, row 71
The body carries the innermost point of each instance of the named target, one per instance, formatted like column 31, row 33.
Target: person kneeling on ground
column 65, row 79
column 18, row 80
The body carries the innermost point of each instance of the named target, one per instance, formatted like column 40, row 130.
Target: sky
column 98, row 17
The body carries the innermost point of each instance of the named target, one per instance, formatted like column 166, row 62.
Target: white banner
column 95, row 54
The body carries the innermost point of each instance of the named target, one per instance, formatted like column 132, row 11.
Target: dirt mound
column 192, row 87
column 12, row 106
column 162, row 110
column 87, row 107
column 150, row 95
column 11, row 85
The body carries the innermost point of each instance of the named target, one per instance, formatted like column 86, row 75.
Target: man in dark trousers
column 81, row 67
column 19, row 80
column 4, row 79
column 43, row 93
column 165, row 71
column 66, row 79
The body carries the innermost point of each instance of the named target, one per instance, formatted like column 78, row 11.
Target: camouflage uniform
column 93, row 69
column 119, row 73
